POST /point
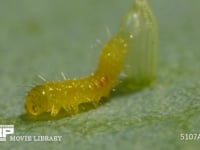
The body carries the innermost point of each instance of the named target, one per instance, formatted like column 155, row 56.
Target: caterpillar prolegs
column 69, row 94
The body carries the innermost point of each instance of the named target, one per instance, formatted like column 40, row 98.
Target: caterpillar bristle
column 42, row 78
column 63, row 75
column 108, row 32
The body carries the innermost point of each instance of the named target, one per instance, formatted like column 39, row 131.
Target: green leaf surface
column 47, row 37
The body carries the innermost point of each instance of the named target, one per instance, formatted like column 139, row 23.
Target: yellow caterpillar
column 69, row 94
column 52, row 96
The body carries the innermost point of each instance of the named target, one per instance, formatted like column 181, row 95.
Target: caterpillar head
column 36, row 101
